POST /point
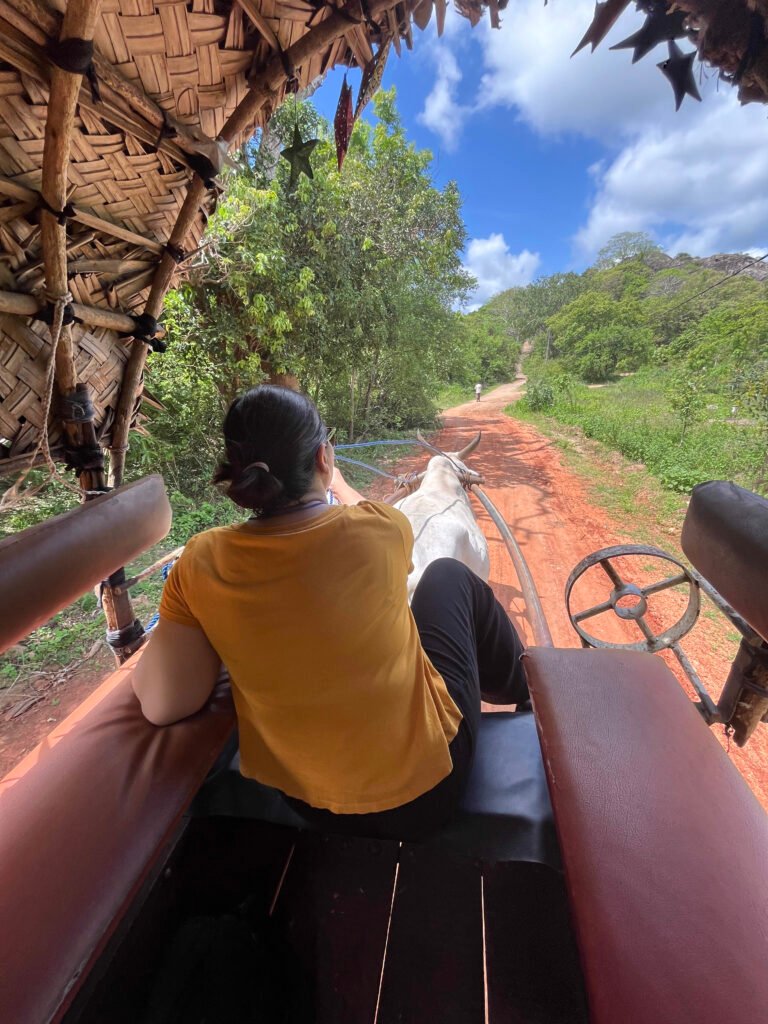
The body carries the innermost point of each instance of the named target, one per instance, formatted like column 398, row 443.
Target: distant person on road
column 478, row 389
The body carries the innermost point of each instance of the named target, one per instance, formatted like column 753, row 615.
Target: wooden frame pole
column 21, row 304
column 79, row 23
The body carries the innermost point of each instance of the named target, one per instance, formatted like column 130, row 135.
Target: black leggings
column 475, row 648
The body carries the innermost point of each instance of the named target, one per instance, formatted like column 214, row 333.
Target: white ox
column 441, row 515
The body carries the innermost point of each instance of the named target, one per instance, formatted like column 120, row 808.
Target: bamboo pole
column 79, row 23
column 23, row 304
column 263, row 87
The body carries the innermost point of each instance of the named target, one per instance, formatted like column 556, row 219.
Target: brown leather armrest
column 47, row 567
column 664, row 847
column 83, row 821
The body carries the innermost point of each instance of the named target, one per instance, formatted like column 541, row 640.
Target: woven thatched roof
column 108, row 163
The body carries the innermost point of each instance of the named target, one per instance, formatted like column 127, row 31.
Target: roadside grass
column 76, row 634
column 454, row 394
column 645, row 511
column 633, row 416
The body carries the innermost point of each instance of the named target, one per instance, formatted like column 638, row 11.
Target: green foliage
column 491, row 347
column 634, row 417
column 539, row 394
column 686, row 396
column 597, row 335
column 349, row 283
column 51, row 501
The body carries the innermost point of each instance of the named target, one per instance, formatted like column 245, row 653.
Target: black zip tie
column 203, row 167
column 145, row 329
column 121, row 638
column 93, row 82
column 62, row 216
column 84, row 457
column 46, row 313
column 176, row 253
column 76, row 407
column 167, row 131
column 367, row 15
column 73, row 55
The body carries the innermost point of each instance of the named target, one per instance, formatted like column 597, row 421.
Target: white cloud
column 695, row 179
column 496, row 268
column 699, row 187
column 529, row 69
column 442, row 114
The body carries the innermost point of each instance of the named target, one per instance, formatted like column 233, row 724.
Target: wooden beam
column 23, row 304
column 251, row 9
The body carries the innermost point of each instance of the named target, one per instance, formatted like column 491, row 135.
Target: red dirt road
column 556, row 525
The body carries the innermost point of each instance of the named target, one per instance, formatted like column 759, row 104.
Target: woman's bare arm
column 347, row 495
column 175, row 674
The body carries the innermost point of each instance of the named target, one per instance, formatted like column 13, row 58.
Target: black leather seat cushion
column 505, row 815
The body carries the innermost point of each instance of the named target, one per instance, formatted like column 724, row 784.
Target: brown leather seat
column 725, row 535
column 664, row 846
column 47, row 567
column 85, row 819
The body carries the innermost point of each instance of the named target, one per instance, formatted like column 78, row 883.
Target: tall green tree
column 596, row 336
column 349, row 282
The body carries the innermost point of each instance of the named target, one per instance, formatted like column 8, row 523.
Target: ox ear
column 471, row 446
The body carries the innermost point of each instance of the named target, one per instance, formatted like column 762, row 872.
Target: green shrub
column 539, row 395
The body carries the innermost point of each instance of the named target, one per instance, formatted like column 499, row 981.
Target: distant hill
column 723, row 262
column 649, row 306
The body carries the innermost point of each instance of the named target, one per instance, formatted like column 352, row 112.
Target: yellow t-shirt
column 337, row 703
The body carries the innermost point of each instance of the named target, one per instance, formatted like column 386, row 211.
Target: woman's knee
column 444, row 570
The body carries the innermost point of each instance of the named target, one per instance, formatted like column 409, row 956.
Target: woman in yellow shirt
column 362, row 711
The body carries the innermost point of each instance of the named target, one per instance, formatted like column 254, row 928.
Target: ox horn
column 471, row 446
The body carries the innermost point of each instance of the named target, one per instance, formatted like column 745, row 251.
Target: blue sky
column 552, row 155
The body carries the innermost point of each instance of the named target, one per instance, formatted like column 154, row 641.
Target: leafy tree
column 686, row 397
column 349, row 283
column 596, row 336
column 625, row 246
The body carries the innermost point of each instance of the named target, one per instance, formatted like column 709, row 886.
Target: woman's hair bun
column 253, row 487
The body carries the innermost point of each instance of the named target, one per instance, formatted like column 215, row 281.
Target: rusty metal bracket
column 743, row 703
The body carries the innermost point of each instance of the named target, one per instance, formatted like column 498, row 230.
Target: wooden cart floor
column 369, row 932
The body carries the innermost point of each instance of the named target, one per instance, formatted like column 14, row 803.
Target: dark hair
column 276, row 428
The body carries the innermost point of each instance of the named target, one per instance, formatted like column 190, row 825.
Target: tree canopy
column 350, row 283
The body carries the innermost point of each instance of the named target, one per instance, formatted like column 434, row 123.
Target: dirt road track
column 556, row 525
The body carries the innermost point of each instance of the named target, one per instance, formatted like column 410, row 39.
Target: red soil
column 556, row 525
column 548, row 510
